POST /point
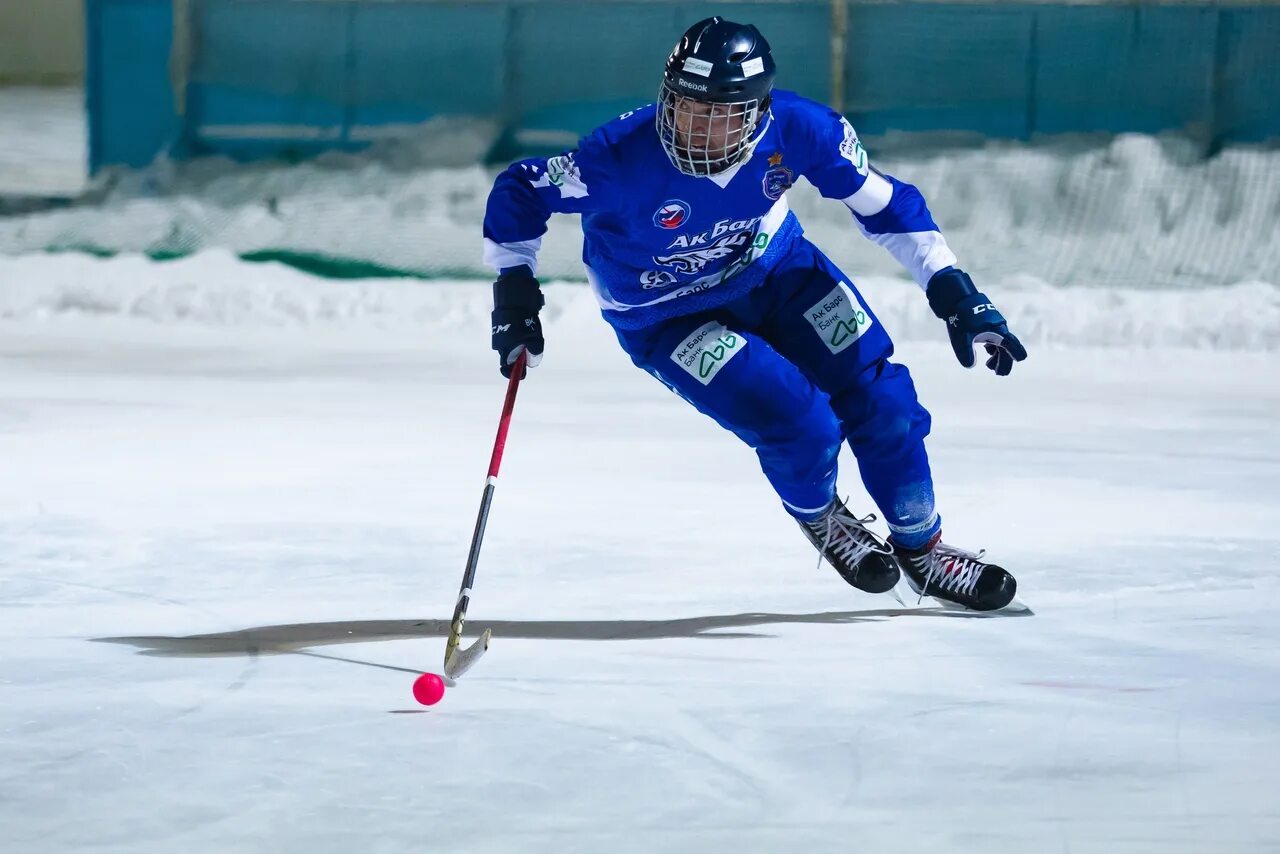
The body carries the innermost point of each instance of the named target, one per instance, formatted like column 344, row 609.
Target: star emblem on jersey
column 775, row 159
column 673, row 214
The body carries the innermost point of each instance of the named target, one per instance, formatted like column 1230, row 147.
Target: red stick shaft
column 457, row 662
column 508, row 406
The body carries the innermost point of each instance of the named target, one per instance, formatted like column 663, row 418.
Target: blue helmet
column 715, row 91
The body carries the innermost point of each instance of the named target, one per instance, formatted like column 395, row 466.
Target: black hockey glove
column 972, row 319
column 516, row 302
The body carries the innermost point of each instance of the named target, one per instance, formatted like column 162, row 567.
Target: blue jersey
column 660, row 244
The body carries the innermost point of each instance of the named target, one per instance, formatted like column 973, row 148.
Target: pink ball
column 428, row 689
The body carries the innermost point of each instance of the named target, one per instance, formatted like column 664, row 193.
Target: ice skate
column 957, row 576
column 859, row 555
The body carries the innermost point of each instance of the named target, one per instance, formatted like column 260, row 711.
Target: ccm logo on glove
column 517, row 299
column 972, row 319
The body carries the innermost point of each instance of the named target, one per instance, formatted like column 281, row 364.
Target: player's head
column 714, row 93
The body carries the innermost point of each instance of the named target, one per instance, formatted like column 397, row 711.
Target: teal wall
column 283, row 78
column 127, row 87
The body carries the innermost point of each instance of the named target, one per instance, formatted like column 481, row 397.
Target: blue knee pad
column 801, row 463
column 881, row 416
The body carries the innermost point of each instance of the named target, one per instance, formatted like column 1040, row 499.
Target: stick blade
column 460, row 660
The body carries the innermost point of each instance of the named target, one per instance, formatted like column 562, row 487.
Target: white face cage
column 702, row 138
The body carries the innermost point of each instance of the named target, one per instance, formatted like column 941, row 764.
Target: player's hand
column 516, row 328
column 972, row 319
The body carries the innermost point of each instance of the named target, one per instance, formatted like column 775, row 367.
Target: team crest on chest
column 778, row 179
column 673, row 214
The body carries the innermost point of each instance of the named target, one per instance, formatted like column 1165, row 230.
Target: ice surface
column 292, row 467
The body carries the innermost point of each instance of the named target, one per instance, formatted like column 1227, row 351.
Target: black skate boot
column 949, row 573
column 862, row 559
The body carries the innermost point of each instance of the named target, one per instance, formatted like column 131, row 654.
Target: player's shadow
column 269, row 640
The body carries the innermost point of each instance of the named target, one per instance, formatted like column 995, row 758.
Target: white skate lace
column 854, row 541
column 955, row 569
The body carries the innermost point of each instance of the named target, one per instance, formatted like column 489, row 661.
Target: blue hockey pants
column 793, row 367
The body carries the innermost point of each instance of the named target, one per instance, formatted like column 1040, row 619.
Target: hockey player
column 711, row 287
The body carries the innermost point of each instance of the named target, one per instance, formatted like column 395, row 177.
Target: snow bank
column 217, row 288
column 1135, row 212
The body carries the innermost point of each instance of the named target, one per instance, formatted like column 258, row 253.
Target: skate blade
column 1015, row 608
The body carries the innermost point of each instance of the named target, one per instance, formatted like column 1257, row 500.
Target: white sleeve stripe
column 923, row 253
column 499, row 255
column 872, row 197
